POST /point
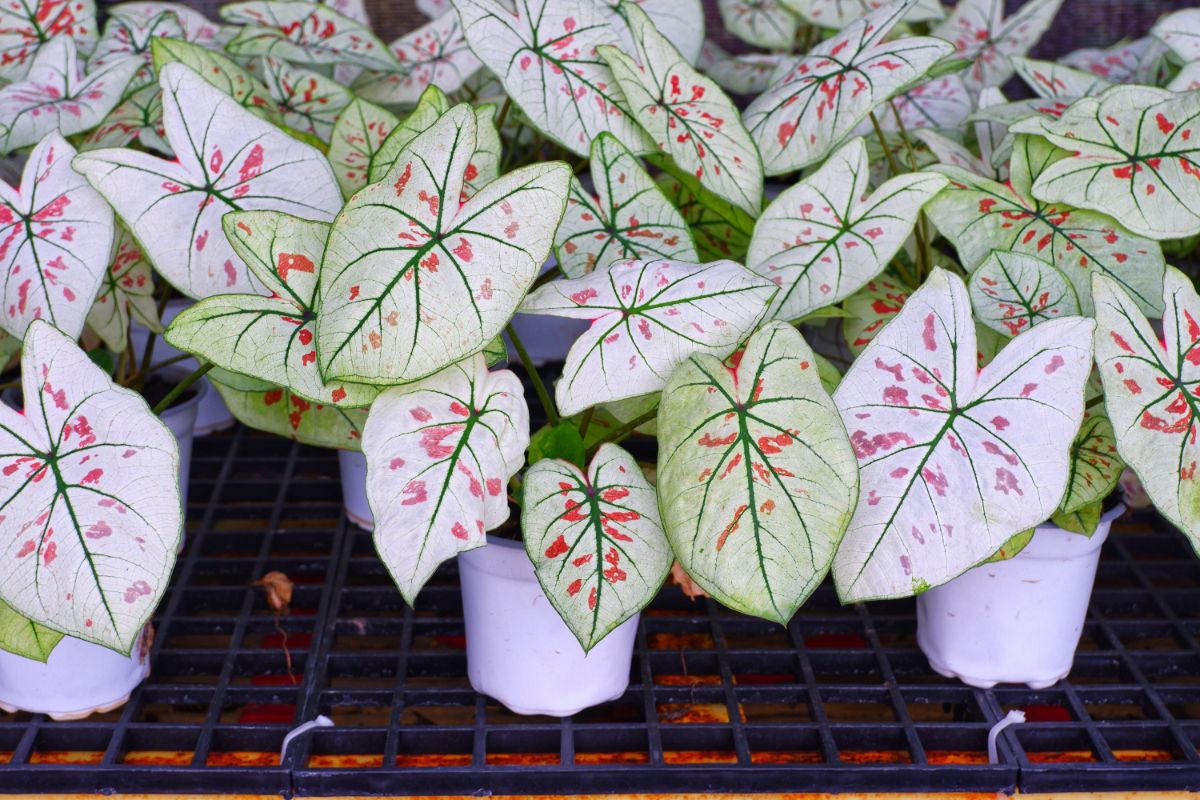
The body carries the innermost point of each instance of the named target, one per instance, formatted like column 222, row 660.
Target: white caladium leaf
column 219, row 71
column 824, row 238
column 136, row 119
column 762, row 23
column 687, row 115
column 404, row 250
column 943, row 103
column 595, row 540
column 228, row 159
column 929, row 430
column 277, row 410
column 1095, row 465
column 439, row 455
column 127, row 293
column 948, row 151
column 648, row 317
column 1133, row 154
column 56, row 96
column 28, row 25
column 196, row 27
column 1150, row 392
column 756, row 476
column 545, row 55
column 746, row 74
column 307, row 101
column 90, row 513
column 979, row 215
column 304, row 33
column 25, row 637
column 1051, row 80
column 981, row 33
column 680, row 21
column 869, row 309
column 991, row 136
column 719, row 228
column 1188, row 79
column 824, row 97
column 357, row 136
column 1180, row 31
column 840, row 13
column 435, row 54
column 130, row 35
column 1012, row 292
column 1125, row 62
column 628, row 218
column 352, row 9
column 56, row 236
column 434, row 8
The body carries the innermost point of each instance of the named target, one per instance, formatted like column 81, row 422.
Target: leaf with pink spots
column 439, row 455
column 762, row 23
column 136, row 119
column 126, row 293
column 358, row 135
column 25, row 637
column 219, row 71
column 227, row 159
column 1051, row 80
column 719, row 228
column 943, row 103
column 980, row 31
column 745, row 74
column 819, row 102
column 953, row 460
column 840, row 13
column 628, row 218
column 129, row 35
column 435, row 54
column 304, row 33
column 824, row 238
column 277, row 410
column 1180, row 31
column 870, row 308
column 90, row 515
column 1095, row 471
column 1013, row 292
column 681, row 21
column 687, row 114
column 307, row 101
column 648, row 317
column 756, row 476
column 595, row 540
column 26, row 26
column 1142, row 61
column 56, row 237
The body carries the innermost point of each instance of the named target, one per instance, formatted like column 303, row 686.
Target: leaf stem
column 624, row 431
column 585, row 422
column 924, row 245
column 167, row 362
column 181, row 387
column 539, row 387
column 887, row 151
column 503, row 115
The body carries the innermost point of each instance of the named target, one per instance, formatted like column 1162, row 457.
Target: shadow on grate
column 841, row 699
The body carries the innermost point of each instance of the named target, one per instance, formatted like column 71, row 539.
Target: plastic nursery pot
column 181, row 419
column 546, row 339
column 520, row 652
column 79, row 678
column 212, row 414
column 353, row 467
column 1014, row 621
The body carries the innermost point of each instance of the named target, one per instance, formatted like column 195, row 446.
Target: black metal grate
column 841, row 699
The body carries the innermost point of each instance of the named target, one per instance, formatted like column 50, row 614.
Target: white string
column 1013, row 718
column 320, row 722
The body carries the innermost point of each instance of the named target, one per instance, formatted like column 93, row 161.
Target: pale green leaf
column 981, row 32
column 25, row 637
column 304, row 33
column 358, row 135
column 1013, row 292
column 126, row 293
column 435, row 54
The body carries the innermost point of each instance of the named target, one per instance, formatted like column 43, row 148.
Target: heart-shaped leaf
column 358, row 135
column 1150, row 392
column 930, row 431
column 825, row 237
column 1180, row 31
column 630, row 218
column 56, row 237
column 595, row 540
column 755, row 474
column 826, row 94
column 138, row 118
column 680, row 21
column 840, row 13
column 24, row 637
column 91, row 509
column 307, row 101
column 979, row 215
column 1095, row 471
column 29, row 25
column 219, row 71
column 277, row 410
column 943, row 103
column 196, row 27
column 869, row 309
column 1012, row 292
column 127, row 292
column 304, row 33
column 129, row 35
column 745, row 74
column 435, row 54
column 545, row 55
column 55, row 95
column 687, row 114
column 1127, row 62
column 1132, row 154
column 228, row 159
column 1051, row 80
column 981, row 33
column 403, row 252
column 648, row 316
column 762, row 23
column 719, row 228
column 439, row 455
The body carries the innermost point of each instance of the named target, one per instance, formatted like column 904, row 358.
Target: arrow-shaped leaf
column 1095, row 471
column 126, row 293
column 840, row 13
column 762, row 23
column 129, row 35
column 981, row 33
column 1051, row 80
column 138, row 118
column 358, row 135
column 304, row 33
column 1138, row 61
column 26, row 26
column 1180, row 31
column 943, row 103
column 307, row 101
column 219, row 71
column 681, row 21
column 435, row 54
column 869, row 309
column 1013, row 292
column 277, row 410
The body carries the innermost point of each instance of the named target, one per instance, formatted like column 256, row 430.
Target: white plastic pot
column 519, row 650
column 79, row 678
column 181, row 419
column 212, row 415
column 353, row 467
column 1014, row 621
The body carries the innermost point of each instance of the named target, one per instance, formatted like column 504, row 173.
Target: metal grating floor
column 840, row 700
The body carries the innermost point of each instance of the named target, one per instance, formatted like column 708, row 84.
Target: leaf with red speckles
column 56, row 95
column 545, row 55
column 826, row 94
column 24, row 637
column 28, row 26
column 930, row 430
column 1142, row 61
column 980, row 32
column 840, row 13
column 413, row 281
column 1134, row 153
column 1049, row 79
column 1013, row 292
column 138, row 118
column 869, row 309
column 648, row 317
column 307, row 101
column 126, row 292
column 219, row 71
column 595, row 540
column 681, row 21
column 979, row 215
column 303, row 33
column 277, row 410
column 358, row 136
column 756, row 476
column 1150, row 393
column 719, row 228
column 431, row 106
column 195, row 26
column 687, row 114
column 824, row 238
column 745, row 74
column 1180, row 31
column 629, row 218
column 1095, row 471
column 762, row 23
column 56, row 237
column 439, row 455
column 227, row 159
column 435, row 54
column 92, row 518
column 129, row 35
column 943, row 103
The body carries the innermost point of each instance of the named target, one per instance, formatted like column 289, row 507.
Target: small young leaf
column 681, row 21
column 1051, row 80
column 943, row 103
column 308, row 101
column 1095, row 467
column 1013, row 292
column 719, row 228
column 24, row 637
column 304, row 33
column 1083, row 520
column 435, row 54
column 358, row 135
column 838, row 14
column 126, row 293
column 762, row 23
column 872, row 307
column 980, row 31
column 136, row 119
column 745, row 74
column 1180, row 32
column 276, row 410
column 561, row 441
